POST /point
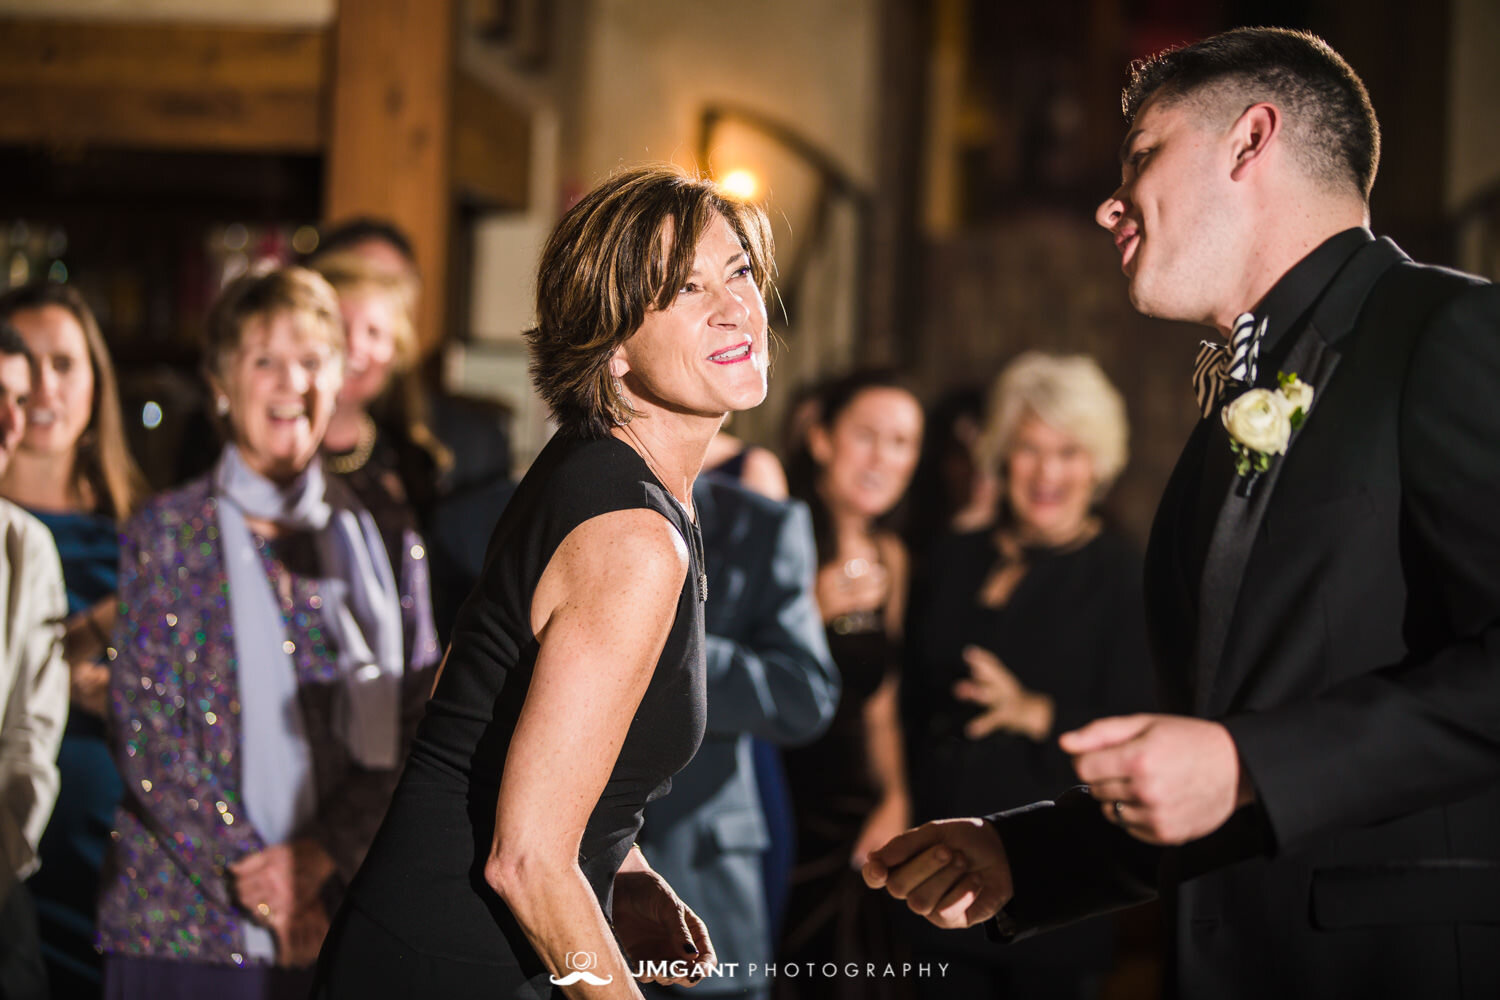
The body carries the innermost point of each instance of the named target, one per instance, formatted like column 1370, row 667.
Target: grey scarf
column 362, row 610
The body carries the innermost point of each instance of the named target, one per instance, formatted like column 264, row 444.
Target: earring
column 221, row 405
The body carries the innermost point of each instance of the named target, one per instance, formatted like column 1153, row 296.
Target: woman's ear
column 618, row 364
column 819, row 444
column 219, row 395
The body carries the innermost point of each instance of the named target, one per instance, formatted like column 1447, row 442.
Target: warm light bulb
column 740, row 184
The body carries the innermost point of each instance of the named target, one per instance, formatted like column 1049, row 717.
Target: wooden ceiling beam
column 72, row 83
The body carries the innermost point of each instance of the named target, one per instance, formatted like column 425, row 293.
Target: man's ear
column 1252, row 136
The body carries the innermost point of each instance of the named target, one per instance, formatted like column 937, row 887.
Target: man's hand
column 1167, row 779
column 654, row 925
column 954, row 872
column 889, row 818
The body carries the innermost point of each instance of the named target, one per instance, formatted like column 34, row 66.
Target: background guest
column 259, row 761
column 952, row 491
column 392, row 464
column 760, row 471
column 378, row 438
column 74, row 471
column 33, row 691
column 848, row 788
column 1032, row 626
column 751, row 466
column 770, row 677
column 451, row 454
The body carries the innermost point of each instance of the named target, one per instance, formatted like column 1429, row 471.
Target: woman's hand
column 88, row 686
column 85, row 638
column 853, row 585
column 1008, row 705
column 890, row 817
column 276, row 884
column 654, row 925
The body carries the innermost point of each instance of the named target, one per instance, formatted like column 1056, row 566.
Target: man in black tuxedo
column 1322, row 812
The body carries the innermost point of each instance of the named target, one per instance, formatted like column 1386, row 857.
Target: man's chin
column 1148, row 302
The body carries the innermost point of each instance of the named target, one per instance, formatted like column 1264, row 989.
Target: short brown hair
column 262, row 294
column 606, row 265
column 103, row 463
column 1328, row 110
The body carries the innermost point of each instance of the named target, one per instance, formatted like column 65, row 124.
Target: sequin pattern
column 176, row 711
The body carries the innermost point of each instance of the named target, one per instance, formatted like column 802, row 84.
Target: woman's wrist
column 1037, row 716
column 635, row 860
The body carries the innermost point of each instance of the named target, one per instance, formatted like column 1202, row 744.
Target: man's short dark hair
column 12, row 343
column 1327, row 110
column 352, row 232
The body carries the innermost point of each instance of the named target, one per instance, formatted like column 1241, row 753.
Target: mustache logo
column 581, row 962
column 581, row 977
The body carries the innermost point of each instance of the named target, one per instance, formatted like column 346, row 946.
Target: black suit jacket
column 1346, row 629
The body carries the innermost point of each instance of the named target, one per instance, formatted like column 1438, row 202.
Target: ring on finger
column 1119, row 810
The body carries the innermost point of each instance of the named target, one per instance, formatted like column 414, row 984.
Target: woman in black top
column 1026, row 629
column 574, row 686
column 848, row 787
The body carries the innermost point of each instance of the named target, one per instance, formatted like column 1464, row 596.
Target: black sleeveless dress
column 832, row 916
column 419, row 919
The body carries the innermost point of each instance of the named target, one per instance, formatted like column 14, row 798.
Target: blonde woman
column 1030, row 627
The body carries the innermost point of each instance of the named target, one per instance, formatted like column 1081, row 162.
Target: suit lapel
column 1314, row 358
column 1239, row 521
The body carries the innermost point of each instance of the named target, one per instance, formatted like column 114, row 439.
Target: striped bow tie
column 1219, row 365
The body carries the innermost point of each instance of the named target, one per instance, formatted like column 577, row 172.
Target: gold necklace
column 355, row 460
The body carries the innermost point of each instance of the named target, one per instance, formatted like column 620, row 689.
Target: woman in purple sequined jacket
column 270, row 669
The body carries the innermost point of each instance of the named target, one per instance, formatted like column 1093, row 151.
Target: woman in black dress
column 848, row 787
column 1029, row 627
column 574, row 686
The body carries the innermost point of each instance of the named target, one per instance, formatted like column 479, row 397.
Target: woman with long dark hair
column 848, row 788
column 74, row 472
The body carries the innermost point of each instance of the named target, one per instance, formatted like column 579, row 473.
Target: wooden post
column 390, row 140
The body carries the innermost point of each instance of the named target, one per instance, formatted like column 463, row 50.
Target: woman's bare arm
column 602, row 612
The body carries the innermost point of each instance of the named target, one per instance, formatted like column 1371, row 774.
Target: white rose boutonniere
column 1260, row 425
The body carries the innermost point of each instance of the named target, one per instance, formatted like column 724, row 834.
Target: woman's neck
column 43, row 482
column 853, row 532
column 1069, row 537
column 343, row 428
column 673, row 445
